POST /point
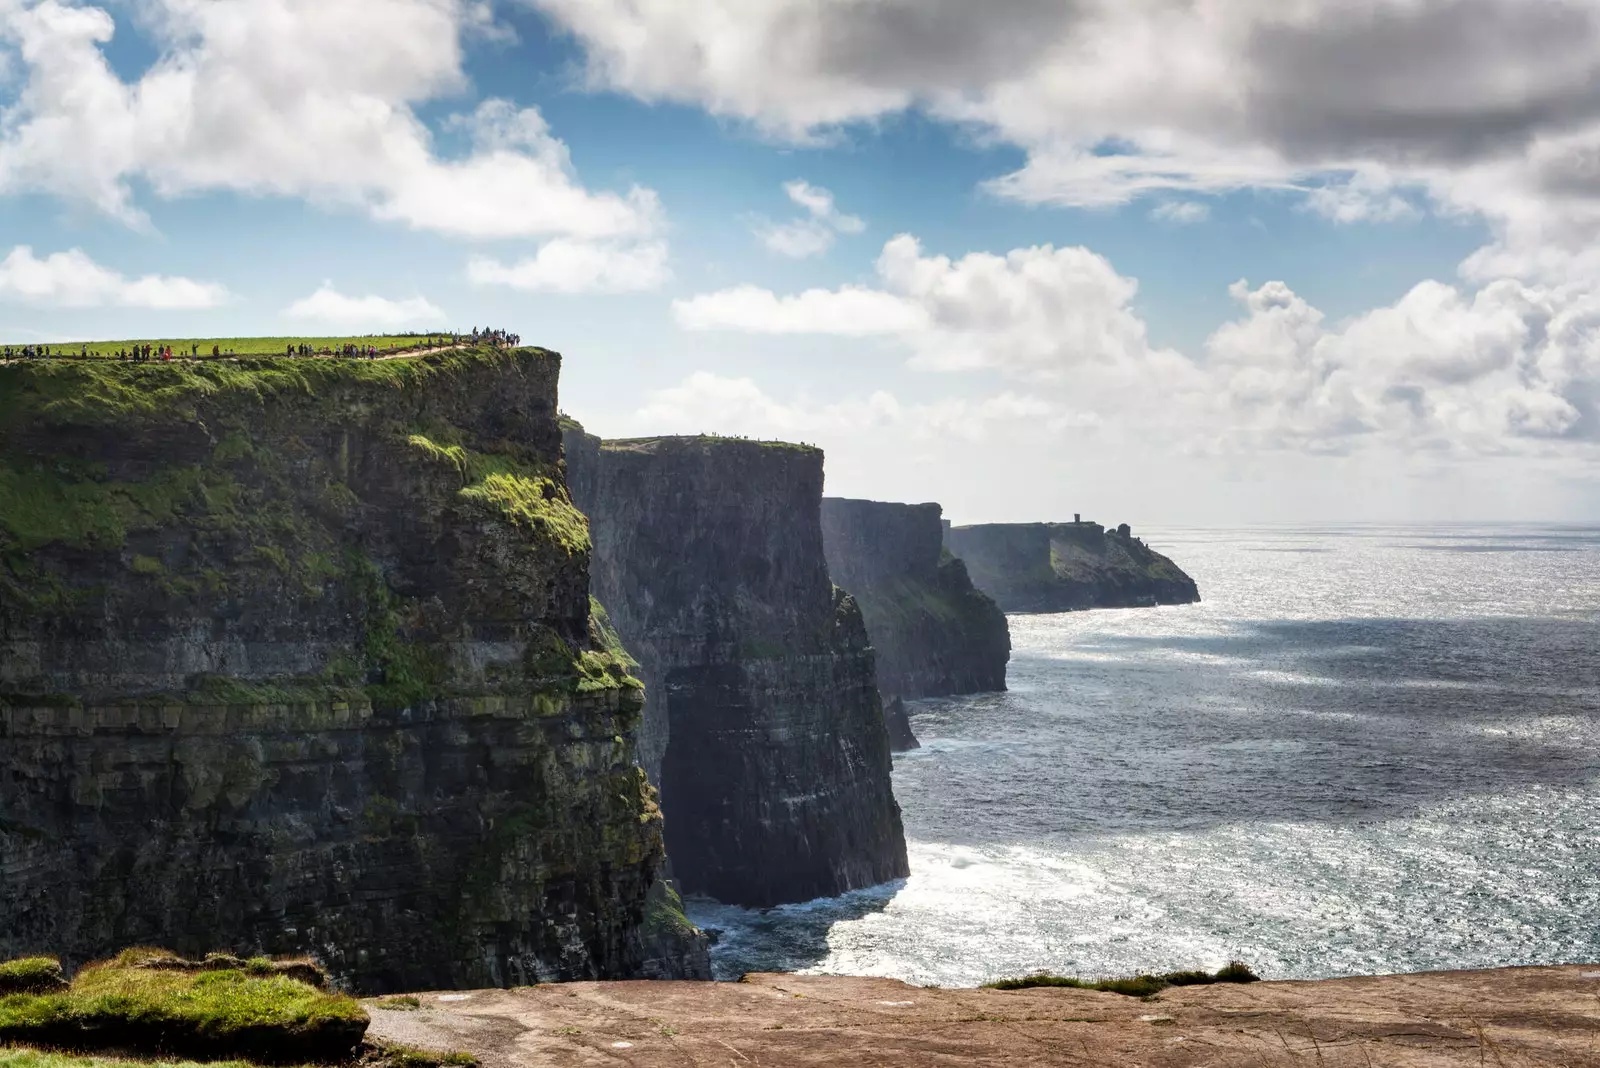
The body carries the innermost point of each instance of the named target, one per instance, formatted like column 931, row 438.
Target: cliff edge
column 297, row 655
column 762, row 723
column 1498, row 1017
column 1063, row 567
column 932, row 632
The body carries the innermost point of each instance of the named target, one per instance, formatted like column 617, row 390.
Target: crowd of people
column 144, row 353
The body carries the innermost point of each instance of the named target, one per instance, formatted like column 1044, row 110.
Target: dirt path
column 1503, row 1018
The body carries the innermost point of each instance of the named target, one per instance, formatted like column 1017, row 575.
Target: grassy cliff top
column 242, row 346
column 690, row 441
column 99, row 392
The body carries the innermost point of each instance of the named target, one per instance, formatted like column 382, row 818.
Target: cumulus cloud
column 813, row 234
column 1506, row 367
column 1370, row 109
column 368, row 314
column 1035, row 312
column 275, row 97
column 566, row 265
column 72, row 280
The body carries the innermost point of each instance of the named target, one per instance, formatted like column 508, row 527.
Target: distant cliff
column 762, row 721
column 298, row 656
column 1059, row 567
column 933, row 633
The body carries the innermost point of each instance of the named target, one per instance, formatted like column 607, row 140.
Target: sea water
column 1367, row 750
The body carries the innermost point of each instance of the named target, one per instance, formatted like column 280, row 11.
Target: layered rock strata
column 932, row 632
column 297, row 656
column 1060, row 567
column 762, row 723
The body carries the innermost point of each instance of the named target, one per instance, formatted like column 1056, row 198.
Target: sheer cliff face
column 297, row 656
column 932, row 632
column 763, row 725
column 1060, row 567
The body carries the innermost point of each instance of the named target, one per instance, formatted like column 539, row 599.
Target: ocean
column 1368, row 750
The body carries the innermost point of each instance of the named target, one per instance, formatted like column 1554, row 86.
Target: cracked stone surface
column 1507, row 1018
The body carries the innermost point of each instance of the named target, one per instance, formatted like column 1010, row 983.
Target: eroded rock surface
column 298, row 656
column 762, row 724
column 1508, row 1017
column 932, row 632
column 1063, row 567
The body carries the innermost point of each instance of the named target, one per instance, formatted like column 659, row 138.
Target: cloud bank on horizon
column 1359, row 113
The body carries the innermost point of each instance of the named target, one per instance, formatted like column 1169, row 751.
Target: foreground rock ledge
column 1502, row 1017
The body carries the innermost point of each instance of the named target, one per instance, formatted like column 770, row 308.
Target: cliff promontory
column 762, row 722
column 1061, row 567
column 297, row 655
column 932, row 632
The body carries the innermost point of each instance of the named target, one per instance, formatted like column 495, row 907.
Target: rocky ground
column 1505, row 1018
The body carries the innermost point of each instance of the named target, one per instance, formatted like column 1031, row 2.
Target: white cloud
column 367, row 314
column 709, row 403
column 268, row 97
column 1035, row 312
column 819, row 202
column 1508, row 367
column 814, row 234
column 570, row 266
column 852, row 311
column 1182, row 212
column 72, row 280
column 1369, row 110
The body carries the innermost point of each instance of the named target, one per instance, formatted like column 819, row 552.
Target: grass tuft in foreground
column 1138, row 986
column 31, row 975
column 34, row 1058
column 205, row 1011
column 371, row 1055
column 399, row 1003
column 388, row 1055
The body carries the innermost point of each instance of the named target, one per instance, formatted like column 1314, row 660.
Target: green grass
column 393, row 1056
column 373, row 1055
column 1138, row 986
column 219, row 1012
column 33, row 1058
column 31, row 975
column 243, row 346
column 111, row 393
column 399, row 1003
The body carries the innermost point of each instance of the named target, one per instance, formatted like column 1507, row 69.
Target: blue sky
column 1010, row 278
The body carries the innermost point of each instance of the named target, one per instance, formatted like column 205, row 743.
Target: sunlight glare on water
column 1368, row 750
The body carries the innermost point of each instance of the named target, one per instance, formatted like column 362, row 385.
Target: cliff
column 932, row 632
column 1060, row 567
column 298, row 656
column 762, row 722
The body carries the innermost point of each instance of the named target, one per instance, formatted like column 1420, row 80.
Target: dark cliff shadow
column 784, row 937
column 1318, row 721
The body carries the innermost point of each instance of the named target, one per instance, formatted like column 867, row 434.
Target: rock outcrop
column 1540, row 1017
column 298, row 656
column 932, row 632
column 762, row 722
column 1061, row 567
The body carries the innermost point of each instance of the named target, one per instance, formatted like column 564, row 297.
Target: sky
column 1169, row 262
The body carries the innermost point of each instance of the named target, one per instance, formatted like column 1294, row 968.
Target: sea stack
column 1062, row 567
column 762, row 724
column 932, row 632
column 297, row 656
